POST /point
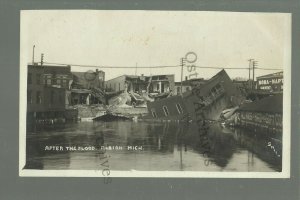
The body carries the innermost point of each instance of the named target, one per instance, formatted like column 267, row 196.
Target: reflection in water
column 165, row 146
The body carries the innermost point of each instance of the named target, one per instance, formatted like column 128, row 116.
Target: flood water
column 151, row 147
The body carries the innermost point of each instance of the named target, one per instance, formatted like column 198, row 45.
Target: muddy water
column 151, row 146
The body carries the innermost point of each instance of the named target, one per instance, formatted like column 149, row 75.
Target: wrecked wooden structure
column 263, row 114
column 205, row 101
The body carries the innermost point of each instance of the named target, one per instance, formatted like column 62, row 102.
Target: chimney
column 186, row 78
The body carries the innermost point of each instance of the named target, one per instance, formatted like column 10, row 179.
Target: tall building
column 47, row 90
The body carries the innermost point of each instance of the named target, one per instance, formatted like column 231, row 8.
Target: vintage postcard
column 155, row 94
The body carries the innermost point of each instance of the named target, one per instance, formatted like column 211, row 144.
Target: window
column 178, row 90
column 166, row 110
column 187, row 88
column 179, row 108
column 38, row 79
column 154, row 114
column 64, row 83
column 38, row 97
column 48, row 81
column 58, row 81
column 29, row 97
column 29, row 78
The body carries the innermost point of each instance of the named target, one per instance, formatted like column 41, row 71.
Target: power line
column 268, row 68
column 117, row 67
column 159, row 67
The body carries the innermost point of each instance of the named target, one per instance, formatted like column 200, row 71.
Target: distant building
column 188, row 85
column 138, row 84
column 245, row 85
column 87, row 87
column 89, row 79
column 271, row 82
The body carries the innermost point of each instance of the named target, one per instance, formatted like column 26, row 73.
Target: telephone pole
column 254, row 64
column 250, row 62
column 42, row 59
column 181, row 63
column 33, row 54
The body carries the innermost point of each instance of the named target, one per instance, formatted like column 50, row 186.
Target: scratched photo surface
column 155, row 94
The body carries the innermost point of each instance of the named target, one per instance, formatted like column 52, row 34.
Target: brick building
column 47, row 90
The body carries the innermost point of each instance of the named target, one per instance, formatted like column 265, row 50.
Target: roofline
column 270, row 75
column 126, row 75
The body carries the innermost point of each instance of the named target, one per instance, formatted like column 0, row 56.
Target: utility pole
column 254, row 64
column 33, row 54
column 181, row 63
column 250, row 62
column 42, row 59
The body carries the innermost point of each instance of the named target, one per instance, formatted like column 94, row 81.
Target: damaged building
column 263, row 114
column 205, row 101
column 152, row 84
column 88, row 87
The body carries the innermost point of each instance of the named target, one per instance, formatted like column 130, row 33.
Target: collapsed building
column 87, row 88
column 205, row 101
column 152, row 84
column 137, row 90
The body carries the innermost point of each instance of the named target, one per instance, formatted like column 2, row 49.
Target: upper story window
column 179, row 108
column 64, row 83
column 58, row 81
column 166, row 111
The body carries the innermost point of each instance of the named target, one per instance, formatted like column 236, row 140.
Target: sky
column 157, row 38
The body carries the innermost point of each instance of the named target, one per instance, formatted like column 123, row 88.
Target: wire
column 268, row 68
column 117, row 67
column 162, row 66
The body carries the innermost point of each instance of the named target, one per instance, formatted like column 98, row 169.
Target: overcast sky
column 155, row 38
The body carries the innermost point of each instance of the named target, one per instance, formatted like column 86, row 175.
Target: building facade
column 88, row 88
column 47, row 90
column 89, row 79
column 188, row 85
column 140, row 84
column 271, row 82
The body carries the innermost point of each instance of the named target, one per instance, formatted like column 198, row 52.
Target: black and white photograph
column 136, row 93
